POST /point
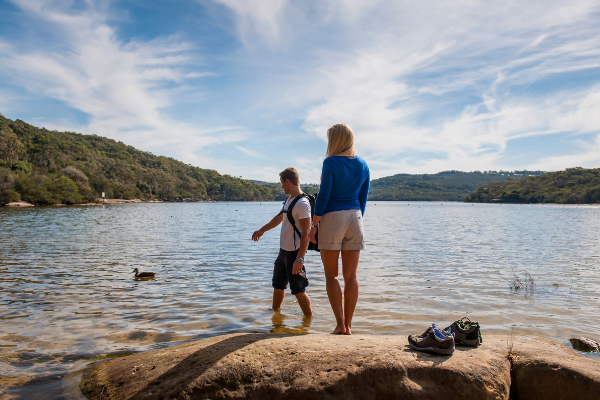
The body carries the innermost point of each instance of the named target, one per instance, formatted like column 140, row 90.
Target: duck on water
column 139, row 274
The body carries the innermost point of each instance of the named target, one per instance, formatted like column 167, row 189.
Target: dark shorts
column 282, row 273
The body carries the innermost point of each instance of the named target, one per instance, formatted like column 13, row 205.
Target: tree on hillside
column 10, row 145
column 76, row 176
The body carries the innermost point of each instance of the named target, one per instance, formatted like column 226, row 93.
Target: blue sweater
column 344, row 185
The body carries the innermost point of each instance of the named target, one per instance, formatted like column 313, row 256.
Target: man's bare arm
column 270, row 225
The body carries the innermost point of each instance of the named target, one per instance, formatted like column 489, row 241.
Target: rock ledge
column 19, row 204
column 267, row 366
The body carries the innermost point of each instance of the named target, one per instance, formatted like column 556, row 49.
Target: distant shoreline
column 23, row 204
column 101, row 202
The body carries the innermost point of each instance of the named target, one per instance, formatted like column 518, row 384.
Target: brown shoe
column 446, row 332
column 433, row 341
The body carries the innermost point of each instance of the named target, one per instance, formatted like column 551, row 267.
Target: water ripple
column 68, row 293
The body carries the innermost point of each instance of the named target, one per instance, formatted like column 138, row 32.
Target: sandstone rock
column 585, row 344
column 267, row 366
column 19, row 204
column 543, row 369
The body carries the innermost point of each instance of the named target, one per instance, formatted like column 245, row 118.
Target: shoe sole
column 445, row 352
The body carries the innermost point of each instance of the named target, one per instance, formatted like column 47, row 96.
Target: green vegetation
column 49, row 167
column 572, row 186
column 443, row 186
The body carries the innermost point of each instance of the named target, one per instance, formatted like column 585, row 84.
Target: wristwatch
column 300, row 259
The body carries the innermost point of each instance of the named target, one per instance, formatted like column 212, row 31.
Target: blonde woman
column 339, row 210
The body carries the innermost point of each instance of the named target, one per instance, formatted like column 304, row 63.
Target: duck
column 139, row 274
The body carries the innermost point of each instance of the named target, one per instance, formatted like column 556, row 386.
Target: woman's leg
column 349, row 267
column 334, row 291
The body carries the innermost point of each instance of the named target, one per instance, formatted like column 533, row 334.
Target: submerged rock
column 585, row 345
column 267, row 366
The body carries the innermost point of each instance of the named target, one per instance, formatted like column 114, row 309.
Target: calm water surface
column 68, row 294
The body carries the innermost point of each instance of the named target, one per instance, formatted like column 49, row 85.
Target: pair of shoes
column 433, row 341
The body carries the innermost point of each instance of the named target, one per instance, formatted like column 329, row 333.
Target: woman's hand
column 313, row 233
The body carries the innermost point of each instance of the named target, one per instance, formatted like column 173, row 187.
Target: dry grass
column 510, row 344
column 518, row 283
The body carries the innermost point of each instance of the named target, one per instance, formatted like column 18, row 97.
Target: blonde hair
column 340, row 141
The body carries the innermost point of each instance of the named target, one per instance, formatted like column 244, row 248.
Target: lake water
column 68, row 294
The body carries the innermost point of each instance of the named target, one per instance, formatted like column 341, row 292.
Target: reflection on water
column 293, row 326
column 68, row 294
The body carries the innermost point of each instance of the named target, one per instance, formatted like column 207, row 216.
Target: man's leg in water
column 278, row 296
column 304, row 302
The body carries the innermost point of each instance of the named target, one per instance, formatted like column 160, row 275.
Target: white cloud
column 426, row 86
column 249, row 152
column 480, row 49
column 262, row 18
column 122, row 86
column 309, row 167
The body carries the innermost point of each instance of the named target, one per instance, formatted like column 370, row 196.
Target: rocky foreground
column 267, row 366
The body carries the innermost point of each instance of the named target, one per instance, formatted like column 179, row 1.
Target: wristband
column 300, row 259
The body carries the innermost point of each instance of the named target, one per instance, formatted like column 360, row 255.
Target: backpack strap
column 291, row 217
column 283, row 206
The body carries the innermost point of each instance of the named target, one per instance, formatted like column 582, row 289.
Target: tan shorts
column 341, row 230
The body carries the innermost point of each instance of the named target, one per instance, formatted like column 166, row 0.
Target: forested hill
column 572, row 186
column 49, row 167
column 443, row 186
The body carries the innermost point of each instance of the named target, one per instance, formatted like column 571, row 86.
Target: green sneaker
column 466, row 332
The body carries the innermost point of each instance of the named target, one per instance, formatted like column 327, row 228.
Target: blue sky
column 250, row 87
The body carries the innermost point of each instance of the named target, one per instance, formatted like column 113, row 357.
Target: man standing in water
column 289, row 265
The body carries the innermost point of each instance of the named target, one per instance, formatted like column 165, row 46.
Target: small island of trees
column 571, row 186
column 443, row 186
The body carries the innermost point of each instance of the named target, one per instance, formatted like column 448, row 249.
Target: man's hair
column 291, row 174
column 341, row 141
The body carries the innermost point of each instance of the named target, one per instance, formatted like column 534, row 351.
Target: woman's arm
column 322, row 197
column 364, row 192
column 324, row 189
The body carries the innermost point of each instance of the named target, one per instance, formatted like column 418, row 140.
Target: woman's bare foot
column 339, row 330
column 348, row 331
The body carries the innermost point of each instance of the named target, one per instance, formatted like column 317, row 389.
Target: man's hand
column 272, row 224
column 312, row 234
column 257, row 234
column 297, row 268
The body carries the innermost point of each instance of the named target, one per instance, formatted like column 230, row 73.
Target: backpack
column 312, row 198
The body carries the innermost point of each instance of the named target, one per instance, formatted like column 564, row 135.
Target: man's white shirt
column 300, row 211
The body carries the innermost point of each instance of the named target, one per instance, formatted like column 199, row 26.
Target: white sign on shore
column 102, row 194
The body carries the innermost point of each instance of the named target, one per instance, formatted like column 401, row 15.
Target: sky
column 250, row 87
